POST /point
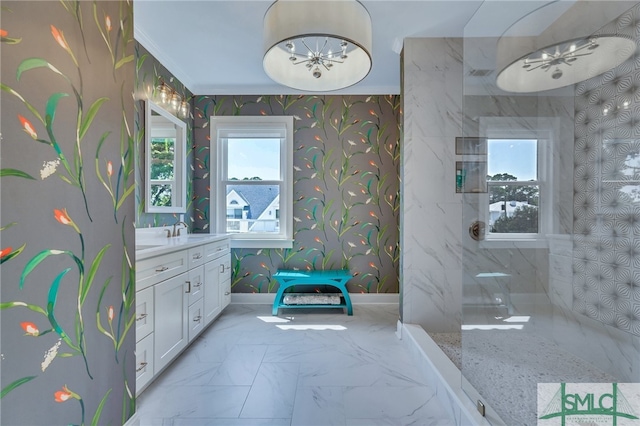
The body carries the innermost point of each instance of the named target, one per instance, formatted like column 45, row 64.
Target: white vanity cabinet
column 171, row 328
column 144, row 336
column 225, row 281
column 196, row 303
column 179, row 291
column 216, row 270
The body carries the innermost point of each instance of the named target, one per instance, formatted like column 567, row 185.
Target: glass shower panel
column 551, row 246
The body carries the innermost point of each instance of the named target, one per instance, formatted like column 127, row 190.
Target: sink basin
column 196, row 237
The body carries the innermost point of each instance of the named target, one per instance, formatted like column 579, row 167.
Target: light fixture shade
column 163, row 94
column 526, row 75
column 183, row 111
column 333, row 20
column 571, row 49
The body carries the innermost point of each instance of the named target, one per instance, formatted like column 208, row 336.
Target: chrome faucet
column 176, row 233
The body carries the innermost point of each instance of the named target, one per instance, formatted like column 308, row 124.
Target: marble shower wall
column 431, row 211
column 527, row 266
column 606, row 221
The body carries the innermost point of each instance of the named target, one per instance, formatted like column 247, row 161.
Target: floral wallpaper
column 149, row 74
column 346, row 188
column 67, row 209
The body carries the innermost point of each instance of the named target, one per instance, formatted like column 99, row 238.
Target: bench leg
column 278, row 300
column 347, row 299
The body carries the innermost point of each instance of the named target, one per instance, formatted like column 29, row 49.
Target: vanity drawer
column 144, row 313
column 195, row 284
column 196, row 256
column 225, row 268
column 215, row 250
column 144, row 362
column 155, row 269
column 196, row 319
column 225, row 294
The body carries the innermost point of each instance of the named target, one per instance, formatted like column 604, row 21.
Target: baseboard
column 356, row 298
column 446, row 379
column 133, row 420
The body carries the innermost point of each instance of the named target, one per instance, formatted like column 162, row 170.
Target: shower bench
column 290, row 278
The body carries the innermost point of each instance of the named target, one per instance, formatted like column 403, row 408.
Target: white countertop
column 149, row 246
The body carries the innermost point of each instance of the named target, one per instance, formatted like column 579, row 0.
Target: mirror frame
column 180, row 171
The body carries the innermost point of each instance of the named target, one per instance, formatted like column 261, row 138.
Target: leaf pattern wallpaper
column 66, row 226
column 346, row 188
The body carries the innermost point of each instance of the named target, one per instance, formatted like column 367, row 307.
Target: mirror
column 166, row 140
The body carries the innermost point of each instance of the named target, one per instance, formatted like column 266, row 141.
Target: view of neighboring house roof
column 259, row 197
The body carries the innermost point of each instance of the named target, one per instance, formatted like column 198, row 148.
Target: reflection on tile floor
column 312, row 367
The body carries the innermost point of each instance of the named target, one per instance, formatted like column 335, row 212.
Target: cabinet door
column 144, row 362
column 144, row 313
column 195, row 284
column 211, row 291
column 171, row 327
column 196, row 319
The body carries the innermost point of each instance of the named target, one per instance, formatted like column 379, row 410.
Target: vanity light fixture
column 317, row 46
column 171, row 100
column 163, row 93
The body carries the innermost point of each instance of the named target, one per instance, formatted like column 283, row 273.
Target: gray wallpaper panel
column 67, row 211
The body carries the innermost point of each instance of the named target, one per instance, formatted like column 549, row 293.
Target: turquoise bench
column 289, row 278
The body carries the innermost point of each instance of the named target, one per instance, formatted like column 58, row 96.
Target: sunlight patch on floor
column 311, row 327
column 272, row 319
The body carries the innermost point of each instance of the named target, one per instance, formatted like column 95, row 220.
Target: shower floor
column 505, row 366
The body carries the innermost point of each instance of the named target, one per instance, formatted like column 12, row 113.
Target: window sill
column 537, row 243
column 261, row 243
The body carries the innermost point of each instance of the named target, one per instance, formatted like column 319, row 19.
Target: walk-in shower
column 551, row 288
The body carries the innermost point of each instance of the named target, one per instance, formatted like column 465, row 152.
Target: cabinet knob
column 162, row 268
column 198, row 285
column 198, row 318
column 142, row 366
column 141, row 317
column 197, row 256
column 226, row 293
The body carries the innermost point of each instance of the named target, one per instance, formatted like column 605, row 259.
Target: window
column 252, row 183
column 513, row 184
column 518, row 208
column 161, row 174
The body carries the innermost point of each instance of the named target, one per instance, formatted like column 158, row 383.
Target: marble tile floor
column 303, row 367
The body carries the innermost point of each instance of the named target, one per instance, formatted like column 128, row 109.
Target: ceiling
column 215, row 46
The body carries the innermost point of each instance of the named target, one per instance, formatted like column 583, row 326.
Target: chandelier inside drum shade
column 565, row 63
column 579, row 44
column 317, row 46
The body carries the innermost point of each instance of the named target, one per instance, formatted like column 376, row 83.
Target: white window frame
column 252, row 126
column 544, row 131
